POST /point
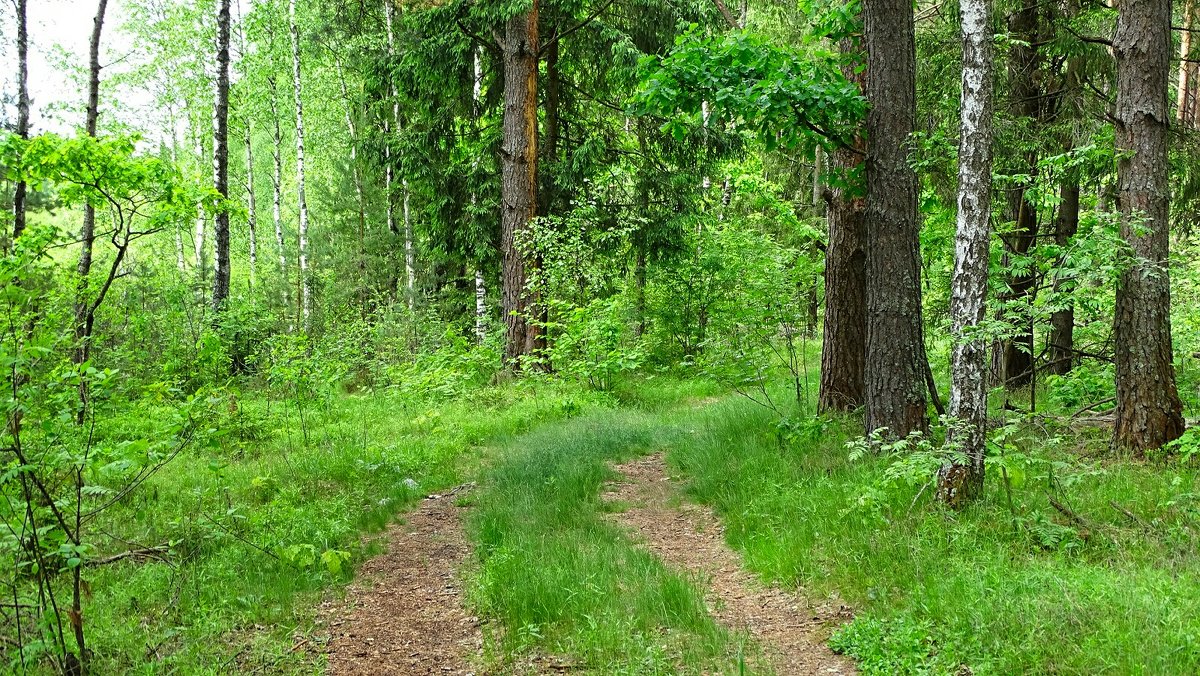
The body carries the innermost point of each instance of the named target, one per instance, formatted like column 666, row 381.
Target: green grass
column 253, row 515
column 556, row 578
column 935, row 590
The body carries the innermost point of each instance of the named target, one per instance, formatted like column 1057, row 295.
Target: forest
column 600, row 337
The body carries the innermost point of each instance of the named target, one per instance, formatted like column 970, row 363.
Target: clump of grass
column 1029, row 590
column 561, row 579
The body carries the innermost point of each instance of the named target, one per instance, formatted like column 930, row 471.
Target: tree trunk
column 1184, row 106
column 519, row 189
column 306, row 299
column 220, row 293
column 410, row 258
column 201, row 222
column 844, row 349
column 356, row 175
column 22, row 129
column 1015, row 354
column 251, row 206
column 480, row 287
column 480, row 307
column 895, row 372
column 1149, row 412
column 87, row 233
column 277, row 198
column 1062, row 322
column 959, row 483
column 389, row 124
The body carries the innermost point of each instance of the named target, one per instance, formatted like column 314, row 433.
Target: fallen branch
column 1132, row 517
column 1089, row 407
column 160, row 552
column 1066, row 511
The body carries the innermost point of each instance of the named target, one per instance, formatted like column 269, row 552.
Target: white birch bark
column 959, row 482
column 480, row 287
column 277, row 202
column 305, row 281
column 410, row 260
column 201, row 221
column 251, row 206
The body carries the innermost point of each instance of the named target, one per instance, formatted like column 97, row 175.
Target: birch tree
column 959, row 482
column 220, row 293
column 302, row 205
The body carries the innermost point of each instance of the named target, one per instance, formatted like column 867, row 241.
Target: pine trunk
column 1149, row 412
column 895, row 380
column 844, row 349
column 1062, row 322
column 519, row 188
column 1184, row 106
column 959, row 483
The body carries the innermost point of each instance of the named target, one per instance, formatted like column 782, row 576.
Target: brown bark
column 1185, row 105
column 1149, row 412
column 519, row 157
column 844, row 349
column 1015, row 354
column 221, row 162
column 1062, row 322
column 895, row 382
column 22, row 129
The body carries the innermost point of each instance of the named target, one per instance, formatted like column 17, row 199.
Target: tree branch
column 559, row 36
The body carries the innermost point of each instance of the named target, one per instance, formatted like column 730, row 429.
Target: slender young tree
column 84, row 316
column 390, row 123
column 251, row 204
column 959, row 483
column 220, row 292
column 302, row 205
column 519, row 48
column 895, row 370
column 480, row 285
column 277, row 194
column 1149, row 412
column 844, row 349
column 22, row 129
column 356, row 174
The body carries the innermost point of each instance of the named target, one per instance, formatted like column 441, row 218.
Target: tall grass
column 1024, row 591
column 560, row 579
column 269, row 517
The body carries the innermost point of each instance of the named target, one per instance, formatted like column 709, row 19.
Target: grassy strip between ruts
column 559, row 579
column 270, row 514
column 999, row 590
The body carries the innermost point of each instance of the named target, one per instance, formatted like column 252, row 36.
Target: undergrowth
column 270, row 513
column 1107, row 581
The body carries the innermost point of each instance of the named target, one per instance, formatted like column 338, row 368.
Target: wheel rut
column 406, row 613
column 789, row 628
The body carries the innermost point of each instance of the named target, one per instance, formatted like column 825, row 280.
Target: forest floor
column 406, row 614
